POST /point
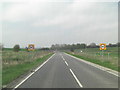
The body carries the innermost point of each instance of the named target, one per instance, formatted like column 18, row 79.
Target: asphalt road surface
column 64, row 71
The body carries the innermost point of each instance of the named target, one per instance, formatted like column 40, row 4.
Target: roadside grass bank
column 0, row 69
column 11, row 58
column 97, row 59
column 0, row 78
column 14, row 71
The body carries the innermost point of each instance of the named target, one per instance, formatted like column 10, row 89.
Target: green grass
column 0, row 70
column 107, row 64
column 11, row 73
column 113, row 51
column 0, row 77
column 11, row 58
column 109, row 59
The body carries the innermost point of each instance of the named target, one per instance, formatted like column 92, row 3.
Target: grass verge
column 11, row 73
column 102, row 63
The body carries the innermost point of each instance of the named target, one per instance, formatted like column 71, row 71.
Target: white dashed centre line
column 66, row 63
column 63, row 58
column 76, row 79
column 80, row 85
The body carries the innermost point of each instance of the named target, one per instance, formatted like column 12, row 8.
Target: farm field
column 107, row 58
column 17, row 63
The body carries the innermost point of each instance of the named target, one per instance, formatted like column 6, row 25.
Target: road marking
column 73, row 74
column 63, row 58
column 33, row 72
column 112, row 73
column 44, row 63
column 76, row 79
column 66, row 63
column 23, row 81
column 97, row 66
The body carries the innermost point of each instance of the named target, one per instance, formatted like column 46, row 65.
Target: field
column 107, row 58
column 17, row 63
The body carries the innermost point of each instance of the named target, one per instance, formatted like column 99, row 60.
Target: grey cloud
column 60, row 22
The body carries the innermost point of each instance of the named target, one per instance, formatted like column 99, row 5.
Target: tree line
column 71, row 47
column 79, row 46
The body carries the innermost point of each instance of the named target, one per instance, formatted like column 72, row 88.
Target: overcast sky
column 48, row 22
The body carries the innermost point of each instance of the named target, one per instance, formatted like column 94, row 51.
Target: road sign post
column 102, row 48
column 31, row 47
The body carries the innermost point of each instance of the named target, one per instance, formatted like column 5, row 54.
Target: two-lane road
column 64, row 71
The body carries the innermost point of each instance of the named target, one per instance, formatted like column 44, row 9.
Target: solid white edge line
column 66, row 63
column 95, row 65
column 23, row 81
column 112, row 73
column 76, row 79
column 32, row 73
